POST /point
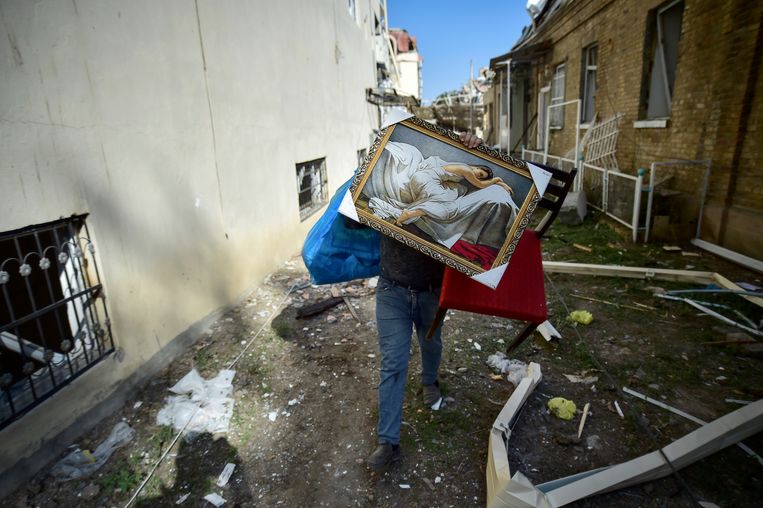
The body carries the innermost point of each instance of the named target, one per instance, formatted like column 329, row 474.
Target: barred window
column 311, row 186
column 53, row 319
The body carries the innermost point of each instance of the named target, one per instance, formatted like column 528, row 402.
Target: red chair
column 521, row 293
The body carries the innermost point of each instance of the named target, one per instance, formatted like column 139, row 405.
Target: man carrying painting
column 407, row 297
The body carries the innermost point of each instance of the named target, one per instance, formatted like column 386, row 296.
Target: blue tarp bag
column 334, row 252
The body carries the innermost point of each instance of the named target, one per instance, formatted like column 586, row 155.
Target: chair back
column 553, row 198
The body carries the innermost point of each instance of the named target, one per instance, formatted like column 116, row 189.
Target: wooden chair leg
column 519, row 339
column 436, row 322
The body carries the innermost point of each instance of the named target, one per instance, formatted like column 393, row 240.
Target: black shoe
column 384, row 455
column 431, row 394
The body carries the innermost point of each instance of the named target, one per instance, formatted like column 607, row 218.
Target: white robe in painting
column 404, row 180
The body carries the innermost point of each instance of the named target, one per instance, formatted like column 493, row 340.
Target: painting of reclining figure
column 465, row 207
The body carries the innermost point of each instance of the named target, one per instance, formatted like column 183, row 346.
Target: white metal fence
column 616, row 194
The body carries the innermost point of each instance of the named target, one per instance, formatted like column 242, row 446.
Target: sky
column 451, row 33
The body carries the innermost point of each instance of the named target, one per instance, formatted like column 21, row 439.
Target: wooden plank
column 317, row 308
column 631, row 272
column 727, row 284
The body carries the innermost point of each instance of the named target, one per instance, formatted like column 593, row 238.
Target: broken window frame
column 556, row 116
column 313, row 193
column 588, row 88
column 544, row 97
column 659, row 69
column 54, row 324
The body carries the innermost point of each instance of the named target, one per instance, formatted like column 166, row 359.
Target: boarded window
column 663, row 37
column 557, row 97
column 311, row 186
column 588, row 95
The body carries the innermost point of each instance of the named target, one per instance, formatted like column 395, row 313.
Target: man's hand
column 470, row 140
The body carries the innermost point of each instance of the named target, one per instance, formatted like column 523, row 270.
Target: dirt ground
column 305, row 398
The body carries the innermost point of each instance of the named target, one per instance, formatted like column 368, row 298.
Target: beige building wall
column 410, row 73
column 177, row 126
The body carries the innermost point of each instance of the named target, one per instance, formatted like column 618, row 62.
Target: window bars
column 312, row 187
column 54, row 324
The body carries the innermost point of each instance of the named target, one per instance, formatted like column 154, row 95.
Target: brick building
column 686, row 77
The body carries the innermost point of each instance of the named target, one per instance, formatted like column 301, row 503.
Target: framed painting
column 464, row 207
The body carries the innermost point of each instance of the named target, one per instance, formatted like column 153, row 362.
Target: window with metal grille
column 588, row 90
column 661, row 59
column 53, row 319
column 557, row 97
column 311, row 186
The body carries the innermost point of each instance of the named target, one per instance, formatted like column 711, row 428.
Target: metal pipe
column 637, row 203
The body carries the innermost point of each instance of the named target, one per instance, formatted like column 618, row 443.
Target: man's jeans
column 398, row 309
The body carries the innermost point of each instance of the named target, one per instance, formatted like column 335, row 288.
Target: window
column 588, row 107
column 351, row 8
column 557, row 97
column 53, row 319
column 311, row 186
column 663, row 34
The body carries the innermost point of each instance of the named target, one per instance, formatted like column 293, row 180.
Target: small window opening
column 311, row 186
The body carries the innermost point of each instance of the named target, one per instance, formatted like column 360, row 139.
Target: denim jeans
column 398, row 310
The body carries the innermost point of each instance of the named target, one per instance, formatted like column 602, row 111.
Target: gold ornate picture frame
column 464, row 207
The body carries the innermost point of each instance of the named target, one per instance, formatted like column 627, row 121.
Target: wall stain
column 17, row 59
column 36, row 168
column 211, row 115
column 106, row 165
column 47, row 106
column 23, row 190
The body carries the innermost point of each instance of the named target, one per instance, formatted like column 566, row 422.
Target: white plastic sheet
column 80, row 463
column 206, row 403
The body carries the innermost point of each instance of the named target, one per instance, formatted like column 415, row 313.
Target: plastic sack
column 208, row 402
column 515, row 370
column 334, row 252
column 81, row 463
column 562, row 408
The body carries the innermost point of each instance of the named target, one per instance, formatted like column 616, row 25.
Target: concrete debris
column 587, row 380
column 227, row 472
column 215, row 499
column 573, row 209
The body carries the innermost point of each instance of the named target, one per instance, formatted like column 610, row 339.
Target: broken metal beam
column 631, row 272
column 517, row 491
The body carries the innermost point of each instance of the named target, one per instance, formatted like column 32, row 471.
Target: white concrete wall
column 188, row 174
